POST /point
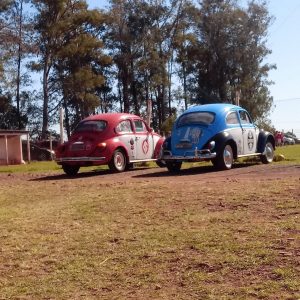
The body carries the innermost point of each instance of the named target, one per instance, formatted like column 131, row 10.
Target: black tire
column 118, row 161
column 173, row 166
column 224, row 159
column 268, row 154
column 129, row 167
column 161, row 163
column 70, row 170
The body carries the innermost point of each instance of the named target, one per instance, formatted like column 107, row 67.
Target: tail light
column 101, row 146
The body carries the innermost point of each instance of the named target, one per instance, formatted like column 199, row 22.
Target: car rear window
column 91, row 126
column 204, row 118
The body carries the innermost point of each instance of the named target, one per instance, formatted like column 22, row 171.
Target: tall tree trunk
column 45, row 126
column 20, row 15
column 125, row 90
column 67, row 118
column 184, row 86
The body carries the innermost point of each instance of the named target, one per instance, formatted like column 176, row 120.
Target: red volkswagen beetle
column 114, row 139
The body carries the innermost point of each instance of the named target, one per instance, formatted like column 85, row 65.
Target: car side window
column 140, row 126
column 232, row 118
column 245, row 119
column 124, row 127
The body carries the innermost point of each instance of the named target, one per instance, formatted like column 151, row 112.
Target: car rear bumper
column 80, row 159
column 197, row 155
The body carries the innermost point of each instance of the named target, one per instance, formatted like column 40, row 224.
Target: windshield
column 91, row 126
column 202, row 117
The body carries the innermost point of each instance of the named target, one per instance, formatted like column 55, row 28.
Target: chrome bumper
column 83, row 159
column 197, row 155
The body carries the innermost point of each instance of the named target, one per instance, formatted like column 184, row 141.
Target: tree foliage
column 145, row 55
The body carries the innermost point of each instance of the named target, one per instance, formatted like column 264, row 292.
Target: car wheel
column 129, row 167
column 173, row 166
column 70, row 170
column 268, row 155
column 224, row 159
column 118, row 161
column 161, row 163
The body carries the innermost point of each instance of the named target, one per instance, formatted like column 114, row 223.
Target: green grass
column 31, row 167
column 291, row 153
column 104, row 237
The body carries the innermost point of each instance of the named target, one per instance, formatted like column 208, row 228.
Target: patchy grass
column 291, row 153
column 135, row 238
column 35, row 166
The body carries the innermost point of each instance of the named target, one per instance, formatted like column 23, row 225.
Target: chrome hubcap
column 119, row 161
column 228, row 156
column 269, row 152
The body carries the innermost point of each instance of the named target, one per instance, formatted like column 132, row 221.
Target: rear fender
column 221, row 139
column 158, row 147
column 263, row 138
column 113, row 145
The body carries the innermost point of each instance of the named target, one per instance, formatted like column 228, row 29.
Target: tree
column 9, row 116
column 71, row 56
column 227, row 55
column 15, row 29
column 140, row 37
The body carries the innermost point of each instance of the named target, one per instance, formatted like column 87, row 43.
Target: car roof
column 111, row 117
column 216, row 108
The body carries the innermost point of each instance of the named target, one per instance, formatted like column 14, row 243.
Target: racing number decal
column 145, row 146
column 250, row 140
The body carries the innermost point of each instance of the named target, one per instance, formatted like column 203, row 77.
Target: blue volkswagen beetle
column 217, row 132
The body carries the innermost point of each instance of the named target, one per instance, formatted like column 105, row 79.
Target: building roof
column 13, row 132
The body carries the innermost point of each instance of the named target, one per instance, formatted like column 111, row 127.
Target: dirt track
column 149, row 234
column 206, row 174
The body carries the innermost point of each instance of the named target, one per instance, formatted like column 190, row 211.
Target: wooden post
column 61, row 123
column 6, row 149
column 149, row 112
column 28, row 149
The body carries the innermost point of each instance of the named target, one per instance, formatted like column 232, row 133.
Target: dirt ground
column 240, row 172
column 174, row 207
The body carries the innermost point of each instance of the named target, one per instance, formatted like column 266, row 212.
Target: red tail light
column 101, row 146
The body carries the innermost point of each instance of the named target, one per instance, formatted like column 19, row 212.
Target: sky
column 284, row 42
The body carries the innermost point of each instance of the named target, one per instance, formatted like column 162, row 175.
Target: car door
column 144, row 143
column 249, row 133
column 235, row 130
column 127, row 137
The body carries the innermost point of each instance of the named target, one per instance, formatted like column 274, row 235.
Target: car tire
column 161, row 163
column 70, row 170
column 118, row 161
column 224, row 159
column 268, row 155
column 173, row 166
column 129, row 167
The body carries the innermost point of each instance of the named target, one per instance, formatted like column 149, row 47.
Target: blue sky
column 284, row 41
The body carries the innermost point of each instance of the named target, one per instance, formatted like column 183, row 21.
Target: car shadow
column 192, row 171
column 80, row 175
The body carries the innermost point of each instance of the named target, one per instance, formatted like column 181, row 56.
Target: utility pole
column 61, row 123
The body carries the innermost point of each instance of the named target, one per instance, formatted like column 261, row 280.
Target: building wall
column 14, row 150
